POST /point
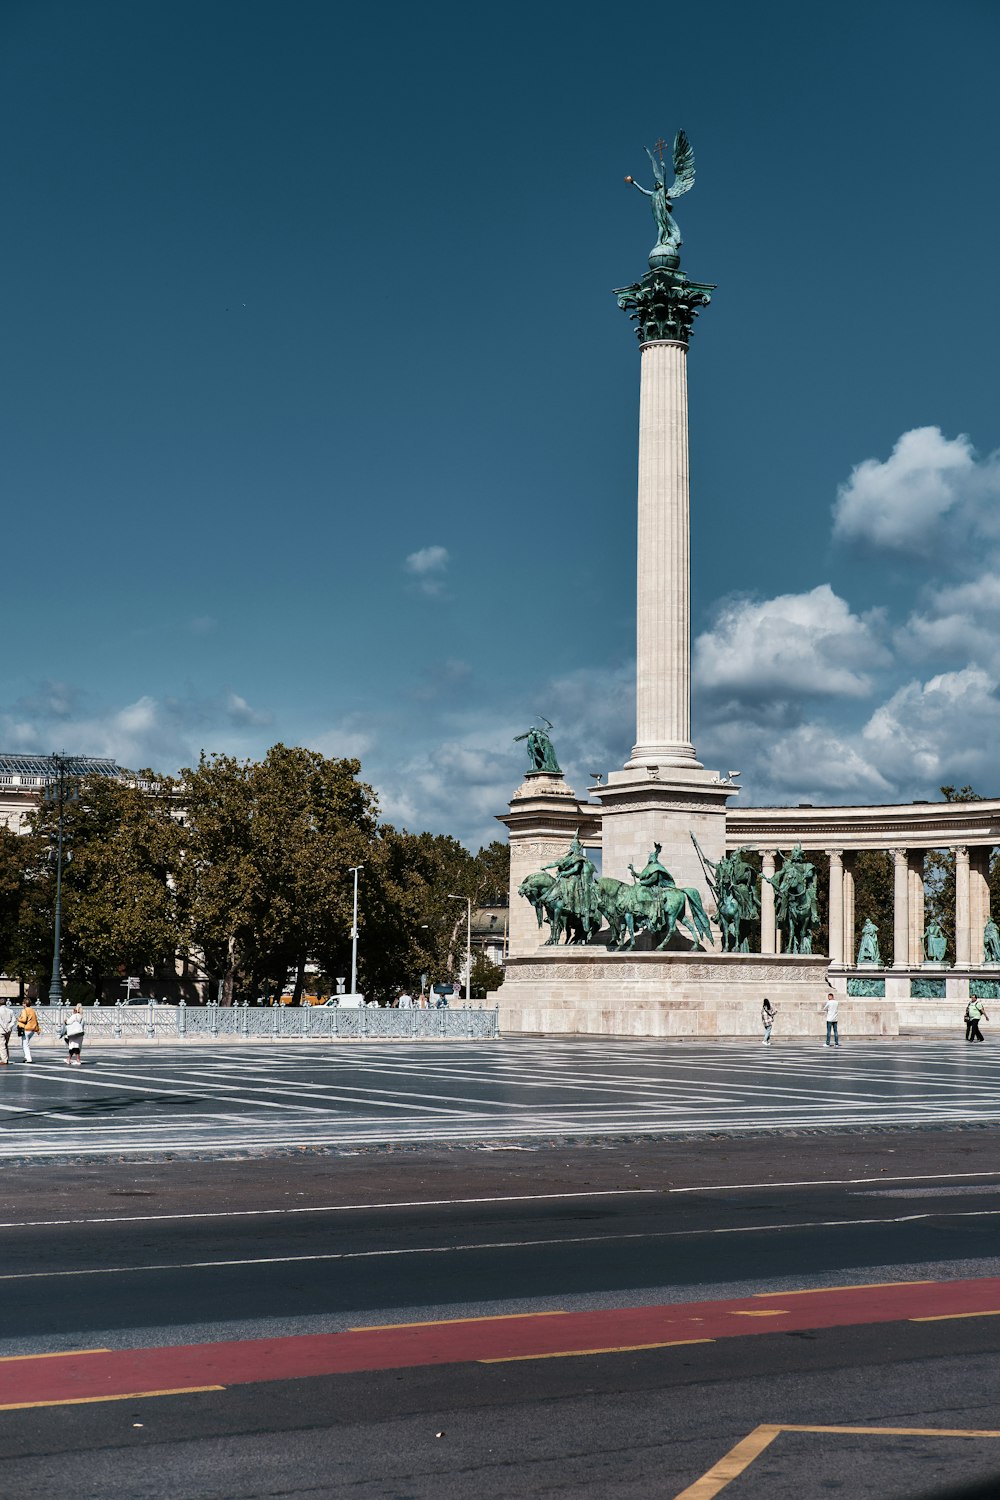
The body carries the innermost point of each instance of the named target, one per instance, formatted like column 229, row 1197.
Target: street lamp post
column 56, row 792
column 354, row 932
column 468, row 943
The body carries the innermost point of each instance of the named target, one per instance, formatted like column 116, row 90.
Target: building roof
column 34, row 769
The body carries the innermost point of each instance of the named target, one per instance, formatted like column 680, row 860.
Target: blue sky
column 319, row 417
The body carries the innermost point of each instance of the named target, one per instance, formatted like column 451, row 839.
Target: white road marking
column 384, row 1254
column 325, row 1208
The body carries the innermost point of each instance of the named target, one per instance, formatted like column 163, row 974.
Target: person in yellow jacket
column 27, row 1029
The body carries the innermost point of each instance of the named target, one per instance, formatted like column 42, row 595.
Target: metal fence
column 145, row 1023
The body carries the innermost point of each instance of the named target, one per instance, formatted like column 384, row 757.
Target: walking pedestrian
column 27, row 1029
column 767, row 1014
column 977, row 1013
column 7, row 1023
column 74, row 1037
column 831, row 1010
column 968, row 1025
column 404, row 1001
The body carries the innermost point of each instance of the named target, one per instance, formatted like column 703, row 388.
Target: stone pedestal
column 544, row 815
column 587, row 991
column 644, row 807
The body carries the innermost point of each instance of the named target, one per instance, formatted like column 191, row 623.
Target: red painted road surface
column 105, row 1375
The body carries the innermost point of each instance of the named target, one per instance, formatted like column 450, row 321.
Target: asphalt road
column 302, row 1247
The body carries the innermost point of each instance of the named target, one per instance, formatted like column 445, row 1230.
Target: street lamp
column 56, row 791
column 354, row 932
column 468, row 944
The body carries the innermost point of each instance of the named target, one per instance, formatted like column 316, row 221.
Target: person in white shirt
column 405, row 1001
column 831, row 1010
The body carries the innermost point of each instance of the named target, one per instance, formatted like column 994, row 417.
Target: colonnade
column 972, row 907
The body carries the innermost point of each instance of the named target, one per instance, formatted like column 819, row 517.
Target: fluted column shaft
column 663, row 625
column 900, row 909
column 915, row 867
column 979, row 900
column 849, row 952
column 963, row 945
column 836, row 910
column 767, row 928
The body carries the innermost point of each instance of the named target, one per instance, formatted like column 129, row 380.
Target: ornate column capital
column 962, row 853
column 664, row 305
column 767, row 861
column 835, row 856
column 900, row 857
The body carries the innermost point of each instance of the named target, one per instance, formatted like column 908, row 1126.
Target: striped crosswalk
column 153, row 1099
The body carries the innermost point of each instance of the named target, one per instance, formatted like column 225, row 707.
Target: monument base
column 588, row 991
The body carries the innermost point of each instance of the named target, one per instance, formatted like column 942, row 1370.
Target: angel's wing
column 683, row 166
column 657, row 168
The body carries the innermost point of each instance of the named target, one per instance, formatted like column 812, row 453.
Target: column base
column 651, row 757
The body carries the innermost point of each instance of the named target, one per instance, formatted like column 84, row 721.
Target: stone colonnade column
column 767, row 928
column 836, row 909
column 849, row 951
column 663, row 613
column 979, row 899
column 915, row 881
column 963, row 945
column 900, row 909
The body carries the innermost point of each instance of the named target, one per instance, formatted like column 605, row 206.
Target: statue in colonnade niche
column 868, row 949
column 540, row 751
column 935, row 943
column 991, row 943
column 796, row 907
column 733, row 884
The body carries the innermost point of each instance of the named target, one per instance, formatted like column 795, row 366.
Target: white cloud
column 427, row 567
column 796, row 644
column 150, row 731
column 904, row 502
column 945, row 729
column 958, row 622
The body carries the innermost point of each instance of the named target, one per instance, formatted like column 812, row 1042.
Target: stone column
column 915, row 892
column 836, row 908
column 979, row 899
column 850, row 953
column 663, row 616
column 767, row 928
column 900, row 910
column 963, row 944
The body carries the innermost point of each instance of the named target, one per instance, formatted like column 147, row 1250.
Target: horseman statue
column 567, row 900
column 797, row 911
column 733, row 884
column 654, row 903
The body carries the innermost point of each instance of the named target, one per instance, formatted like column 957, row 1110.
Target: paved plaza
column 203, row 1097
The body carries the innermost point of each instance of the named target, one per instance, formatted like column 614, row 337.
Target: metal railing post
column 182, row 1018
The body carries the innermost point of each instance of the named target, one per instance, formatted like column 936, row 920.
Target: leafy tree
column 264, row 880
column 119, row 910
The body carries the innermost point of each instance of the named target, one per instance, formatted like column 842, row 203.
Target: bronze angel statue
column 668, row 236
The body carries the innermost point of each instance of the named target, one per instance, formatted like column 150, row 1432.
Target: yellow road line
column 861, row 1286
column 739, row 1458
column 732, row 1465
column 512, row 1359
column 9, row 1359
column 182, row 1390
column 992, row 1312
column 957, row 1432
column 760, row 1312
column 555, row 1312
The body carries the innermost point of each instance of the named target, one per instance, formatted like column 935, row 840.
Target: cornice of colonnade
column 905, row 825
